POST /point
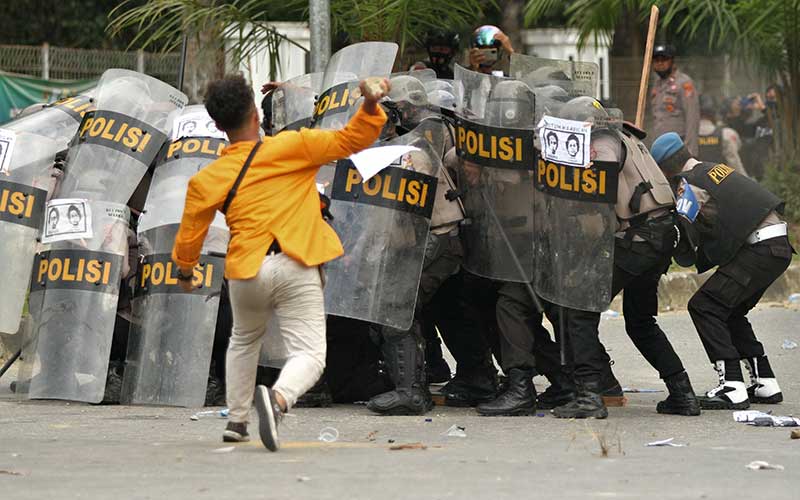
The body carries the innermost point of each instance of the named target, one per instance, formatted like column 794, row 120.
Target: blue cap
column 665, row 146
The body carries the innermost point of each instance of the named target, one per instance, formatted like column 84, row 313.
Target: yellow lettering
column 86, row 125
column 42, row 269
column 506, row 149
column 54, row 269
column 168, row 279
column 79, row 274
column 209, row 274
column 387, row 193
column 173, row 147
column 17, row 206
column 413, row 192
column 145, row 274
column 106, row 273
column 157, row 273
column 121, row 131
column 424, row 194
column 29, row 209
column 67, row 276
column 353, row 178
column 145, row 141
column 132, row 137
column 97, row 127
column 589, row 181
column 104, row 134
column 206, row 149
column 375, row 186
column 191, row 146
column 93, row 271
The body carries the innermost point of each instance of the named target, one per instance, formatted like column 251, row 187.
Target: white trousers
column 293, row 292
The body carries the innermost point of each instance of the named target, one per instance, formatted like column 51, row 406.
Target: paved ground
column 60, row 450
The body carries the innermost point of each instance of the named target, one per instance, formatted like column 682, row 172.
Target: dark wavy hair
column 229, row 101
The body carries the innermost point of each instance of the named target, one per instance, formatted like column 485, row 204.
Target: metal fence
column 63, row 63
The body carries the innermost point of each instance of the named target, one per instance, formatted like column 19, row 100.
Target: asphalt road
column 60, row 450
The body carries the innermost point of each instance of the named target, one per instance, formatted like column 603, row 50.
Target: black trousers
column 637, row 270
column 524, row 342
column 719, row 308
column 464, row 311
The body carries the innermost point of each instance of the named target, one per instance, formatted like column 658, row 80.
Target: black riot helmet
column 442, row 47
column 510, row 104
column 664, row 50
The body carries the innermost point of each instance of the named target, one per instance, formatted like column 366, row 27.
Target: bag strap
column 235, row 187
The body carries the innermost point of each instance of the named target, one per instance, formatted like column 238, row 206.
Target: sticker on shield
column 687, row 205
column 196, row 125
column 67, row 219
column 565, row 141
column 7, row 140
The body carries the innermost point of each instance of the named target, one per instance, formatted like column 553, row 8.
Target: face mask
column 665, row 74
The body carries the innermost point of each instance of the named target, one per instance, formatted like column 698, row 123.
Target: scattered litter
column 15, row 455
column 794, row 298
column 540, row 414
column 390, row 441
column 761, row 465
column 329, row 435
column 303, row 479
column 226, row 449
column 429, row 420
column 11, row 472
column 371, row 436
column 643, row 391
column 609, row 314
column 789, row 344
column 409, row 446
column 223, row 413
column 795, row 434
column 455, row 431
column 760, row 419
column 666, row 442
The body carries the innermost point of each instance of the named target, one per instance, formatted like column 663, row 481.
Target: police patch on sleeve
column 687, row 205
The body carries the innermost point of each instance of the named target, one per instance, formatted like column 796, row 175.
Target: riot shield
column 495, row 147
column 76, row 277
column 577, row 77
column 172, row 331
column 340, row 97
column 293, row 102
column 575, row 215
column 28, row 147
column 383, row 224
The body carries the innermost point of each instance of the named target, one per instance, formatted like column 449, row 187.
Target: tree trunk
column 512, row 21
column 628, row 35
column 205, row 62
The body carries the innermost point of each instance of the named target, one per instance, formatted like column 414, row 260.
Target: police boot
column 405, row 359
column 764, row 387
column 518, row 399
column 587, row 404
column 471, row 388
column 681, row 399
column 560, row 392
column 731, row 393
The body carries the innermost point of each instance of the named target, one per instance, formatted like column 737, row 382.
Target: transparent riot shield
column 172, row 331
column 293, row 102
column 495, row 147
column 383, row 224
column 77, row 275
column 28, row 147
column 340, row 97
column 576, row 218
column 577, row 77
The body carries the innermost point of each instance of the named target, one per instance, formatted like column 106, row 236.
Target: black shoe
column 681, row 399
column 560, row 392
column 587, row 404
column 318, row 396
column 235, row 432
column 438, row 371
column 215, row 392
column 269, row 416
column 731, row 393
column 518, row 399
column 470, row 390
column 414, row 401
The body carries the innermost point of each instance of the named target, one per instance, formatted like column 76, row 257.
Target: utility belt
column 767, row 233
column 274, row 249
column 659, row 231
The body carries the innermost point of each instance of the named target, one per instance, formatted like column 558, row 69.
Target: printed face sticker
column 197, row 124
column 565, row 141
column 67, row 219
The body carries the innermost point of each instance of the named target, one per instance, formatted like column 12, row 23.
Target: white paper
column 7, row 140
column 321, row 188
column 371, row 161
column 67, row 219
column 749, row 415
column 565, row 141
column 666, row 442
column 197, row 124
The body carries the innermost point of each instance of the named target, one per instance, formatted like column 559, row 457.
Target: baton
column 10, row 362
column 536, row 302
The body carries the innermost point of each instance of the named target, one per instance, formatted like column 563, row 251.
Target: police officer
column 673, row 99
column 717, row 143
column 404, row 351
column 732, row 222
column 490, row 51
column 643, row 248
column 442, row 47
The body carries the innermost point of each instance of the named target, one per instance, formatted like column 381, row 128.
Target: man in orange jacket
column 268, row 194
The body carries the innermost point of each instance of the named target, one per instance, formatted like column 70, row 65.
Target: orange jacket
column 277, row 198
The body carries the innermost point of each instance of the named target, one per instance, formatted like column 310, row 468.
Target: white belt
column 766, row 233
